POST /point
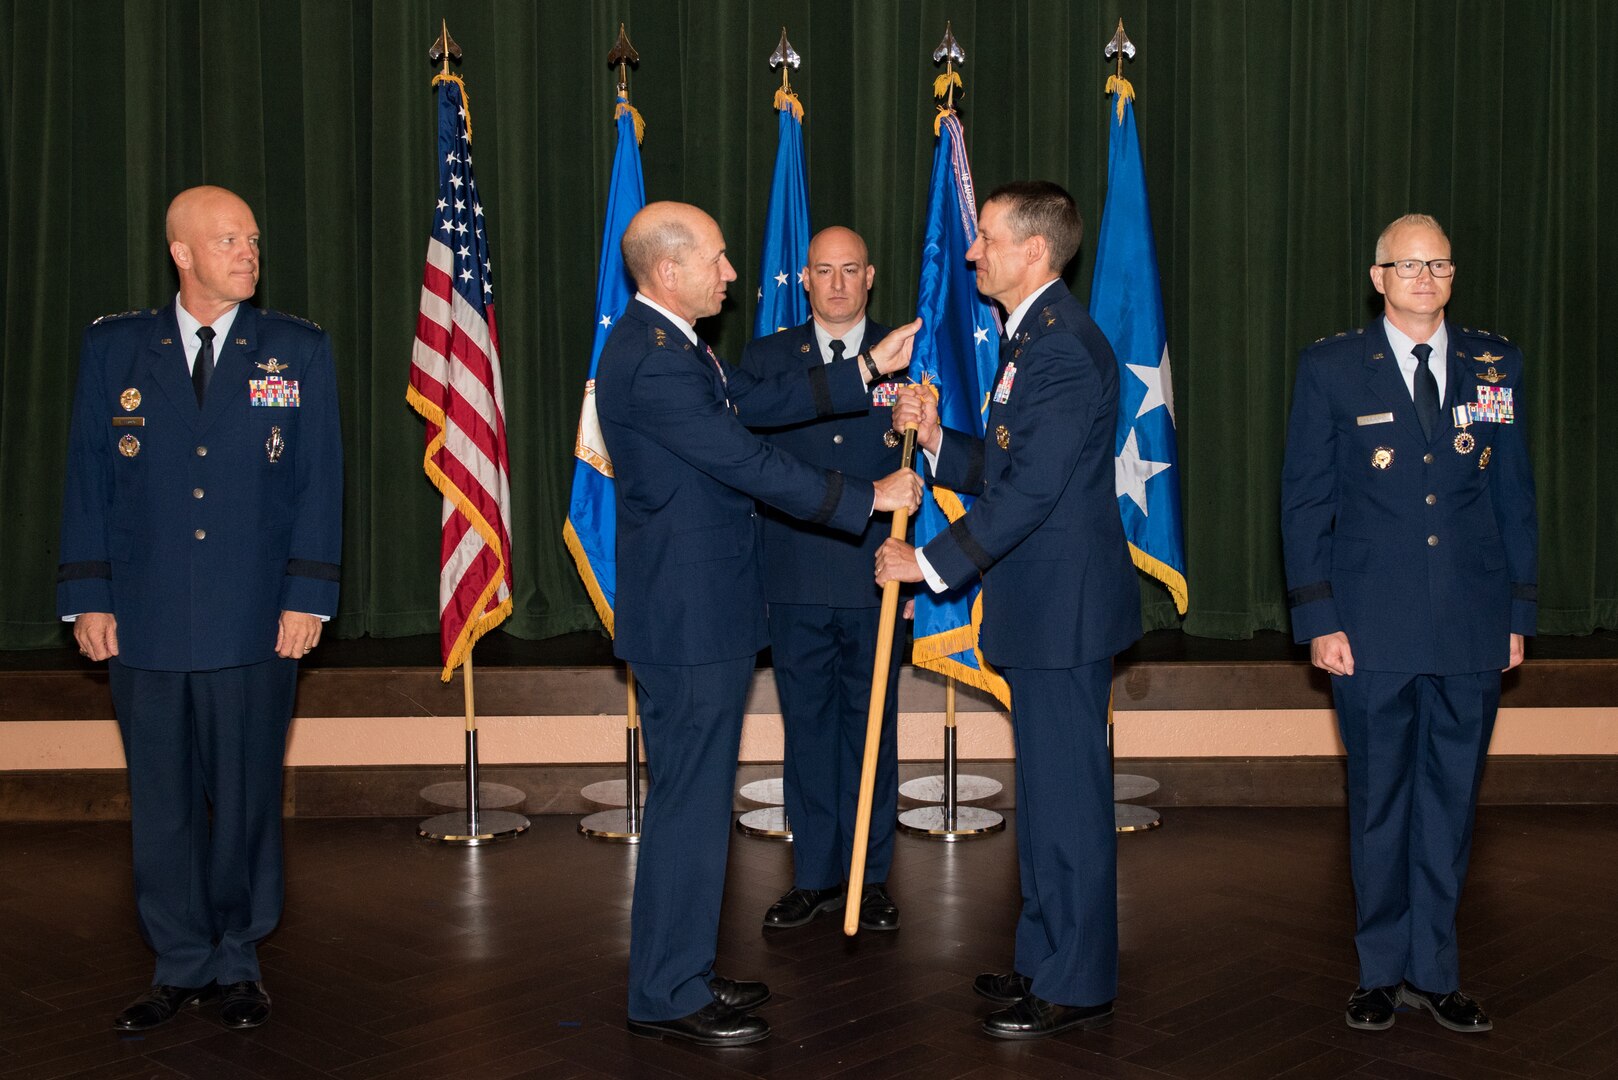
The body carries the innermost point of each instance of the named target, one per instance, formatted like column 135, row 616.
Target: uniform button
column 202, row 451
column 196, row 493
column 201, row 534
column 838, row 439
column 1432, row 541
column 1426, row 459
column 1431, row 499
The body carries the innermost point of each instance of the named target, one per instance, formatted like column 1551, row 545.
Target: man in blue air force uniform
column 1059, row 599
column 824, row 608
column 1411, row 542
column 690, row 609
column 201, row 533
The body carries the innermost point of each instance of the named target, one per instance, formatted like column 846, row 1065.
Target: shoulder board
column 269, row 314
column 1475, row 332
column 1341, row 334
column 148, row 312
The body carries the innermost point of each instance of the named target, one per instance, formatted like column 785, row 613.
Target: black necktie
column 837, row 348
column 1426, row 390
column 202, row 370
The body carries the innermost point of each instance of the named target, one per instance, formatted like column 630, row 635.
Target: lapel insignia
column 1374, row 356
column 130, row 399
column 1488, row 358
column 129, row 446
column 275, row 444
column 1382, row 457
column 274, row 367
column 166, row 341
column 1483, row 458
column 241, row 341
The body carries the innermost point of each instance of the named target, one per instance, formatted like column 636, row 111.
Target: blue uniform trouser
column 823, row 661
column 1067, row 935
column 1416, row 747
column 691, row 719
column 208, row 886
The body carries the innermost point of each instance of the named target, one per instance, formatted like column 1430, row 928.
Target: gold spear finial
column 784, row 57
column 949, row 50
column 444, row 48
column 622, row 55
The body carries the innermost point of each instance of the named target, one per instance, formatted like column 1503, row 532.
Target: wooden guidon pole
column 873, row 715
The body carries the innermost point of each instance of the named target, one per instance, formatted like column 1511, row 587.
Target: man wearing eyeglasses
column 1411, row 545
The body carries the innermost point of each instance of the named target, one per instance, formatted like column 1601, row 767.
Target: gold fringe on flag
column 1121, row 86
column 786, row 99
column 466, row 99
column 640, row 125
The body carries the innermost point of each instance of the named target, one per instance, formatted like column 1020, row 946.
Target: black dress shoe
column 246, row 1005
column 1453, row 1010
column 159, row 1004
column 738, row 994
column 1372, row 1010
column 1035, row 1018
column 715, row 1024
column 1001, row 989
column 801, row 905
column 877, row 909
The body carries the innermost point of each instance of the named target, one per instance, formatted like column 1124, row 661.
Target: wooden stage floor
column 400, row 958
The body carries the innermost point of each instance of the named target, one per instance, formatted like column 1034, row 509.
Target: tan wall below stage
column 71, row 744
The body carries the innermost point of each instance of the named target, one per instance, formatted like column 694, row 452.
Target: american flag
column 455, row 386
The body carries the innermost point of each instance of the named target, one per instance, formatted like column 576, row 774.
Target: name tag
column 273, row 391
column 129, row 421
column 1374, row 418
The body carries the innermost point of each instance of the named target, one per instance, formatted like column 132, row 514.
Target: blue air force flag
column 956, row 351
column 1126, row 302
column 591, row 531
column 781, row 299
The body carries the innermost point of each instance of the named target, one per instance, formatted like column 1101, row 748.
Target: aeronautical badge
column 274, row 367
column 274, row 444
column 885, row 394
column 274, row 392
column 1483, row 458
column 1002, row 437
column 1488, row 358
column 1382, row 457
column 1491, row 376
column 129, row 446
column 1002, row 392
column 130, row 399
column 890, row 439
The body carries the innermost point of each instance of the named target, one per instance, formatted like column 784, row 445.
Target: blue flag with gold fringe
column 591, row 531
column 1126, row 301
column 781, row 299
column 956, row 352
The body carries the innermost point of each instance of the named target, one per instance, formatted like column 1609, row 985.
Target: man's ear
column 181, row 254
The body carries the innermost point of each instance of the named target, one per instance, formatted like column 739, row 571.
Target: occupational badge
column 274, row 367
column 130, row 399
column 1488, row 358
column 1002, row 437
column 129, row 446
column 1492, row 376
column 1464, row 442
column 890, row 438
column 1382, row 457
column 1483, row 458
column 274, row 444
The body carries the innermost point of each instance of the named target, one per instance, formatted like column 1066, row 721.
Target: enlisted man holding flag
column 1059, row 599
column 690, row 614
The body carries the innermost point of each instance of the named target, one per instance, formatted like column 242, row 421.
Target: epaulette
column 1339, row 334
column 1048, row 318
column 300, row 320
column 660, row 338
column 124, row 315
column 1485, row 334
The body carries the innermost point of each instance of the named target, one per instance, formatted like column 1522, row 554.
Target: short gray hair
column 648, row 243
column 1424, row 221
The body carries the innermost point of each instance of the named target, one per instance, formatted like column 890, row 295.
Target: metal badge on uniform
column 273, row 392
column 1002, row 391
column 1492, row 376
column 1382, row 457
column 659, row 337
column 130, row 399
column 1002, row 437
column 1488, row 358
column 274, row 367
column 1464, row 442
column 1483, row 458
column 890, row 439
column 1374, row 418
column 885, row 394
column 274, row 444
column 129, row 446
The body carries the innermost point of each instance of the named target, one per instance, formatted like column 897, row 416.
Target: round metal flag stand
column 948, row 820
column 769, row 823
column 472, row 825
column 1127, row 816
column 621, row 826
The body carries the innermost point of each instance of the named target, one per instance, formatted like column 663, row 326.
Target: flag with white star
column 591, row 530
column 957, row 352
column 781, row 299
column 455, row 385
column 1126, row 301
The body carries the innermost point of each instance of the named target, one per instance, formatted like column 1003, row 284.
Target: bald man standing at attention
column 201, row 533
column 690, row 609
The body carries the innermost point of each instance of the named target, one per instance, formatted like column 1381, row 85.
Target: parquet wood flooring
column 402, row 959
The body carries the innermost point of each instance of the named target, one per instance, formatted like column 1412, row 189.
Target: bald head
column 676, row 254
column 838, row 278
column 213, row 240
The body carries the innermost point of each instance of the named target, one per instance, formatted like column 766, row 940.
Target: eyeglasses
column 1411, row 268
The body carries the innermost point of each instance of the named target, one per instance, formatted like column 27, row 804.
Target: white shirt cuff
column 934, row 582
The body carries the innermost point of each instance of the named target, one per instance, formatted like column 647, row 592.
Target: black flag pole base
column 473, row 825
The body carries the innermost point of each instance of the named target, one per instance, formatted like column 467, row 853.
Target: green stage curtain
column 1279, row 136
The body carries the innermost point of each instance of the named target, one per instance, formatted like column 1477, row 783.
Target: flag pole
column 873, row 715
